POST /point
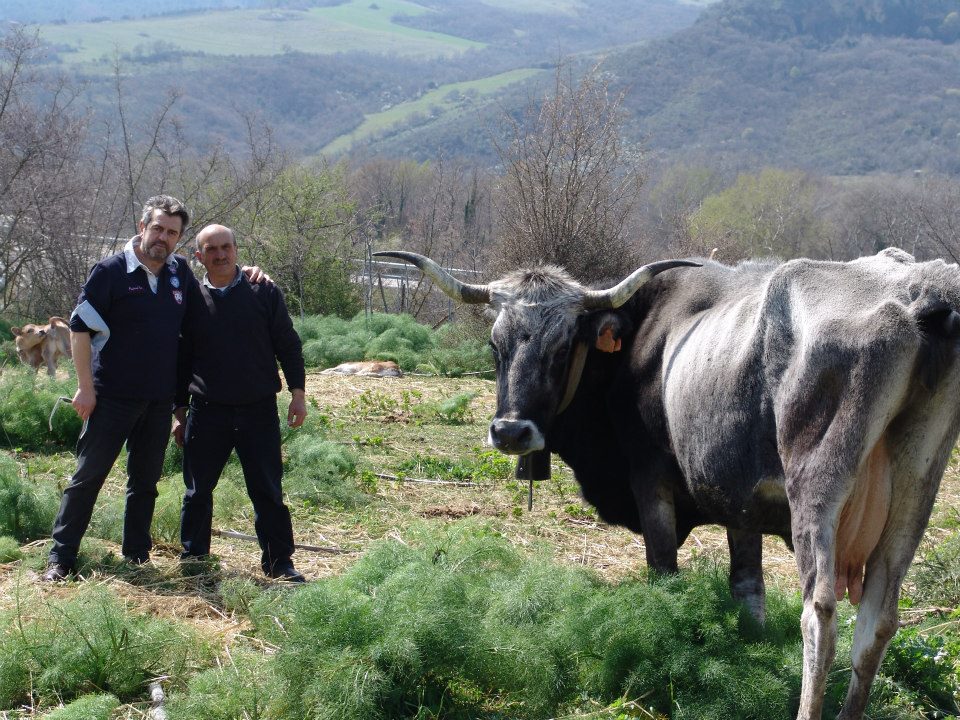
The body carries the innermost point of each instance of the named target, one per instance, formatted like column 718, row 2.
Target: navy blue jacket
column 135, row 357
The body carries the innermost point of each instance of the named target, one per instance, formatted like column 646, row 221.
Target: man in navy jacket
column 232, row 341
column 124, row 334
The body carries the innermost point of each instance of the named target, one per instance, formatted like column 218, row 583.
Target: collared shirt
column 227, row 288
column 133, row 262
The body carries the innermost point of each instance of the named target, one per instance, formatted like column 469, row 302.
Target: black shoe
column 56, row 572
column 287, row 574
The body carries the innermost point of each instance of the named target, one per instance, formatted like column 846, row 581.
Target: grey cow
column 815, row 400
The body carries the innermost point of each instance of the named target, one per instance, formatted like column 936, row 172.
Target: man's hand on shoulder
column 255, row 274
column 84, row 401
column 297, row 412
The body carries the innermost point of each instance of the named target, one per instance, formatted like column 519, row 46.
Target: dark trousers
column 254, row 431
column 145, row 426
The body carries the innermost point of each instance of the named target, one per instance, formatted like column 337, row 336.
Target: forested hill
column 828, row 20
column 884, row 95
column 835, row 87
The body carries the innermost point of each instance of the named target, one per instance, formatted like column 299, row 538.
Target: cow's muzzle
column 515, row 437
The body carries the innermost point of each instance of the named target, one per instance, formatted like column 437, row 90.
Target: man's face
column 159, row 237
column 218, row 253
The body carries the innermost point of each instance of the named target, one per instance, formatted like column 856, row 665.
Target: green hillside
column 358, row 25
column 452, row 102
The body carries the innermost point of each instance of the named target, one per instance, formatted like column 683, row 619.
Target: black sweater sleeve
column 286, row 343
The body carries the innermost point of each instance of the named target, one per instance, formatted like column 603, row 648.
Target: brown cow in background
column 38, row 344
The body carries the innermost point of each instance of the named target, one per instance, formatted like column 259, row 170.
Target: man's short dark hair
column 169, row 206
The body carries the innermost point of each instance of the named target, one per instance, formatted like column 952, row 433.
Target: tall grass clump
column 936, row 574
column 397, row 337
column 329, row 340
column 96, row 706
column 320, row 473
column 26, row 401
column 54, row 651
column 460, row 625
column 239, row 689
column 920, row 676
column 27, row 509
column 451, row 350
column 458, row 350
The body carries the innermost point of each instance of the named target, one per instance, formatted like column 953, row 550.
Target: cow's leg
column 51, row 364
column 746, row 571
column 876, row 625
column 658, row 518
column 815, row 510
column 877, row 619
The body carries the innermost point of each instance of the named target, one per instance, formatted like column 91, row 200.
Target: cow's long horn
column 464, row 292
column 619, row 294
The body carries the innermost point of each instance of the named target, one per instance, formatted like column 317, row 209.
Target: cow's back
column 741, row 367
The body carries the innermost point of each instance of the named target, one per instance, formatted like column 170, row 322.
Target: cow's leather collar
column 577, row 361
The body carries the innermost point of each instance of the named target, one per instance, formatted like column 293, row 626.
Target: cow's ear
column 17, row 332
column 605, row 330
column 607, row 339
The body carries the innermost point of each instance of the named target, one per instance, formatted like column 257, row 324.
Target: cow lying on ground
column 38, row 344
column 366, row 368
column 815, row 400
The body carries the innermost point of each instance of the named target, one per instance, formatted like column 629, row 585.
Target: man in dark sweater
column 124, row 334
column 231, row 343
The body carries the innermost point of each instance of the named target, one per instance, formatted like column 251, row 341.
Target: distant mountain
column 849, row 87
column 312, row 91
column 57, row 11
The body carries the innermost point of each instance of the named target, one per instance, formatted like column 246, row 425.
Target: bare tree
column 441, row 209
column 40, row 137
column 70, row 195
column 920, row 214
column 569, row 185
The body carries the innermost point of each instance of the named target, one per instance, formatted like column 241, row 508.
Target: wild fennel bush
column 451, row 350
column 464, row 623
column 27, row 508
column 936, row 574
column 320, row 472
column 96, row 706
column 241, row 689
column 26, row 401
column 56, row 650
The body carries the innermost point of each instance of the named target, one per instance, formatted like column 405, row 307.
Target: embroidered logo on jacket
column 136, row 288
column 178, row 296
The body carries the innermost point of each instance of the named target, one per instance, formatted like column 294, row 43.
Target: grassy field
column 544, row 7
column 446, row 100
column 356, row 25
column 415, row 474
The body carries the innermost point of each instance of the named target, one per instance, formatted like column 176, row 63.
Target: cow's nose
column 515, row 437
